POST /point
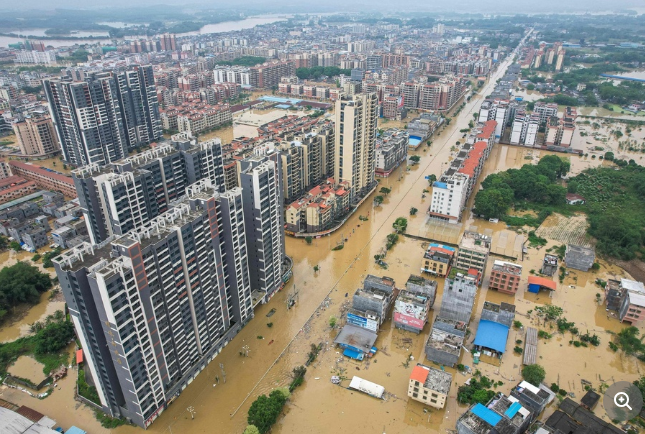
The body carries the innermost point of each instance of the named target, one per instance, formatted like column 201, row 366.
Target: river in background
column 226, row 26
column 234, row 26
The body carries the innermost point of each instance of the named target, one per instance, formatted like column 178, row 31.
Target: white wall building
column 449, row 197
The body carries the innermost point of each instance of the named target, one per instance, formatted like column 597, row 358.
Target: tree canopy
column 21, row 283
column 532, row 183
column 534, row 374
column 265, row 410
column 319, row 71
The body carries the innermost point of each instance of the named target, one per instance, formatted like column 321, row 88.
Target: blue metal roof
column 513, row 409
column 492, row 335
column 440, row 184
column 356, row 355
column 485, row 414
column 75, row 430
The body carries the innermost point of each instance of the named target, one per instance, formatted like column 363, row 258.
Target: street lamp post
column 192, row 412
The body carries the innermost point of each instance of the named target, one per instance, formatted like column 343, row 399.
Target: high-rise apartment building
column 269, row 74
column 152, row 308
column 100, row 119
column 130, row 192
column 168, row 42
column 355, row 135
column 264, row 222
column 36, row 136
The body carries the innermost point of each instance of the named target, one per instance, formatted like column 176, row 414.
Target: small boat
column 271, row 342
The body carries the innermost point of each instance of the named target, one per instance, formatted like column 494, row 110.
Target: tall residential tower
column 99, row 120
column 355, row 136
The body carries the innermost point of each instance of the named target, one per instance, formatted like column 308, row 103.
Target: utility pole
column 192, row 412
column 245, row 350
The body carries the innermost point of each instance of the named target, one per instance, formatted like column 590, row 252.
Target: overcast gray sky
column 508, row 6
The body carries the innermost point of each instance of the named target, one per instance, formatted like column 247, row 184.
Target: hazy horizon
column 506, row 7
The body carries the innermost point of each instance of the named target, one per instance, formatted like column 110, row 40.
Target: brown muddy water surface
column 318, row 406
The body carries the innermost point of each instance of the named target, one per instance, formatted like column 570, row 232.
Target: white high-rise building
column 355, row 135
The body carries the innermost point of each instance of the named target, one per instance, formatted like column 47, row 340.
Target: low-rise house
column 505, row 277
column 534, row 398
column 437, row 259
column 537, row 283
column 500, row 415
column 573, row 418
column 574, row 199
column 413, row 304
column 444, row 343
column 429, row 385
column 632, row 305
column 391, row 150
column 549, row 265
column 356, row 341
column 492, row 332
column 590, row 399
column 473, row 251
column 579, row 258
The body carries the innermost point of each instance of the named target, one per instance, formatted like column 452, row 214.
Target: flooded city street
column 318, row 406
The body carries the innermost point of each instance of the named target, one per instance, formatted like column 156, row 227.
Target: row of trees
column 21, row 283
column 318, row 71
column 244, row 61
column 537, row 184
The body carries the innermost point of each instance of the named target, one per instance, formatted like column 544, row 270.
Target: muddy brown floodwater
column 318, row 406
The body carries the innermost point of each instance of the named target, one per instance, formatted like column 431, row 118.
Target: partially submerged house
column 444, row 343
column 627, row 298
column 501, row 415
column 371, row 303
column 437, row 259
column 492, row 332
column 574, row 418
column 505, row 277
column 579, row 258
column 549, row 265
column 537, row 283
column 429, row 385
column 356, row 341
column 412, row 306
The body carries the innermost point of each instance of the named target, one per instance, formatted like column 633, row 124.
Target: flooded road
column 319, row 405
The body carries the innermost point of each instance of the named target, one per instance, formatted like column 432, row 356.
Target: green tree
column 332, row 322
column 400, row 225
column 413, row 211
column 15, row 245
column 308, row 239
column 251, row 429
column 54, row 337
column 493, row 203
column 385, row 191
column 415, row 159
column 265, row 410
column 432, row 178
column 378, row 200
column 534, row 374
column 21, row 283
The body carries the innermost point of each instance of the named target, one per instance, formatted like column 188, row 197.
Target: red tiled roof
column 542, row 281
column 42, row 172
column 488, row 130
column 419, row 374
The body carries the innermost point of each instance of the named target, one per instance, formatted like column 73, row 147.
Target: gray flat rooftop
column 356, row 337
